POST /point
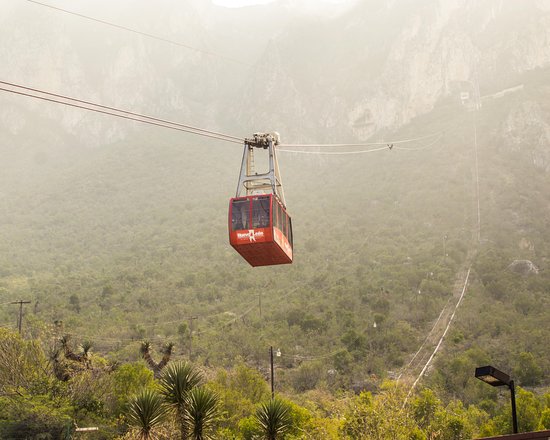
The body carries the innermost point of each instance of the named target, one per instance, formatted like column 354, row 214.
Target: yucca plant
column 146, row 413
column 86, row 353
column 157, row 368
column 201, row 412
column 176, row 382
column 274, row 419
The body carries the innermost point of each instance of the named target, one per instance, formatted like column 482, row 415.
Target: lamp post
column 278, row 354
column 497, row 378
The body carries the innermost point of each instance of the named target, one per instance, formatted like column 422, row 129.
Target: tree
column 240, row 391
column 22, row 363
column 381, row 417
column 32, row 403
column 128, row 380
column 527, row 371
column 424, row 408
column 147, row 412
column 274, row 419
column 74, row 301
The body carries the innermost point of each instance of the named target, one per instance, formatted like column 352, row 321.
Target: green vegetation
column 35, row 403
column 122, row 250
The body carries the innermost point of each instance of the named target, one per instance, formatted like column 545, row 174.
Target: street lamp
column 497, row 378
column 278, row 354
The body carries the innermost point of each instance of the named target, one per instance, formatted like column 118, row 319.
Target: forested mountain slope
column 129, row 241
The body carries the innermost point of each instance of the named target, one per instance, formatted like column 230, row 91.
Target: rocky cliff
column 344, row 76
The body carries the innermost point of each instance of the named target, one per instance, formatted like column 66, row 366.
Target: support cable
column 144, row 34
column 425, row 340
column 372, row 150
column 441, row 339
column 119, row 113
column 332, row 153
column 363, row 144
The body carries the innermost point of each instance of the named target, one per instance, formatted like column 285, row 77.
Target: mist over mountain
column 117, row 230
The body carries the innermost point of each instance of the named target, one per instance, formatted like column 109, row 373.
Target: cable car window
column 260, row 212
column 240, row 214
column 274, row 213
column 290, row 231
column 285, row 224
column 279, row 217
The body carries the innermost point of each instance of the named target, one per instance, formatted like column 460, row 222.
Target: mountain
column 386, row 62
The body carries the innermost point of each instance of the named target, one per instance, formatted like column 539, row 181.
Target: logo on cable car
column 251, row 235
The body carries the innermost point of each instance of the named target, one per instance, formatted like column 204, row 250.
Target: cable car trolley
column 260, row 229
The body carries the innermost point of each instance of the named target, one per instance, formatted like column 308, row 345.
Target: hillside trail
column 411, row 374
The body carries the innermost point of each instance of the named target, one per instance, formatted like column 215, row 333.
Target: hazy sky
column 240, row 3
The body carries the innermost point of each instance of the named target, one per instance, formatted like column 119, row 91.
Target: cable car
column 260, row 228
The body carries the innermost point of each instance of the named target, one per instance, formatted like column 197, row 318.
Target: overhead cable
column 372, row 150
column 362, row 144
column 145, row 34
column 119, row 113
column 190, row 127
column 424, row 147
column 426, row 339
column 309, row 358
column 336, row 153
column 438, row 346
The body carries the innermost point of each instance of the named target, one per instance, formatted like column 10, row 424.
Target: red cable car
column 260, row 229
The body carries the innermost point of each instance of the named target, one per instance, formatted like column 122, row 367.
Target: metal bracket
column 251, row 182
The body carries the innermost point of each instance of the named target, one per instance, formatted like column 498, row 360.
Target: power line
column 306, row 358
column 145, row 34
column 119, row 113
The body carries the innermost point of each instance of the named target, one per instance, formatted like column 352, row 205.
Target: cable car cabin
column 260, row 230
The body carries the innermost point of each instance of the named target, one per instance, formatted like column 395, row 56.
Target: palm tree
column 201, row 412
column 176, row 382
column 147, row 412
column 274, row 419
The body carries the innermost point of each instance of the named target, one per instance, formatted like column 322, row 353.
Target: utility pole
column 191, row 318
column 20, row 320
column 272, row 373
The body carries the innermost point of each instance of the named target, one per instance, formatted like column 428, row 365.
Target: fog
column 426, row 158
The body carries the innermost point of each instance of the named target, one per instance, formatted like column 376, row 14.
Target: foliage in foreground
column 233, row 405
